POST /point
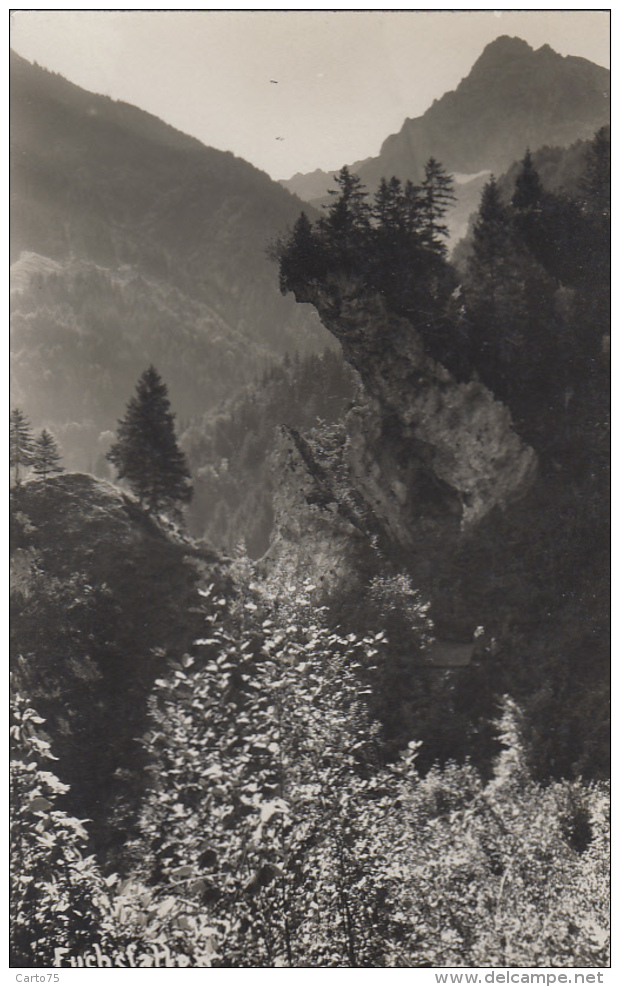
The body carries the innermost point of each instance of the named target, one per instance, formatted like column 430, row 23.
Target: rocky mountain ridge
column 514, row 97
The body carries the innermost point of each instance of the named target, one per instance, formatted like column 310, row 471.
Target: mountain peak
column 507, row 44
column 501, row 50
column 514, row 97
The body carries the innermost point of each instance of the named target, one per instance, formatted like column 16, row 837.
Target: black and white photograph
column 310, row 492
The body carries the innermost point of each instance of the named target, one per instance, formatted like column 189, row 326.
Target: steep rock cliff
column 325, row 535
column 428, row 445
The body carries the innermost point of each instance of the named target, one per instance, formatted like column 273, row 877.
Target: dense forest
column 378, row 734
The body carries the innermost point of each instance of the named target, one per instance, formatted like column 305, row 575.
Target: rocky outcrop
column 407, row 481
column 429, row 445
column 324, row 535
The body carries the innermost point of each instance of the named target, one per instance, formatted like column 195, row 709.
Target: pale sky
column 344, row 80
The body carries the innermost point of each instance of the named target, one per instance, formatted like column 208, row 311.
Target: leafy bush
column 57, row 892
column 63, row 910
column 271, row 813
column 272, row 834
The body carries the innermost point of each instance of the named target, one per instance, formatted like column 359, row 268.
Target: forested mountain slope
column 561, row 170
column 158, row 246
column 230, row 449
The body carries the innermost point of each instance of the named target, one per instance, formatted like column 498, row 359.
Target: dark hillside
column 102, row 599
column 132, row 189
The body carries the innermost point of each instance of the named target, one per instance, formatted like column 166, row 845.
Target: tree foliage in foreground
column 63, row 910
column 146, row 453
column 57, row 891
column 271, row 812
column 273, row 834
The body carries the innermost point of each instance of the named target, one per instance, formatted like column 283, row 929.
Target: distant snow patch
column 462, row 179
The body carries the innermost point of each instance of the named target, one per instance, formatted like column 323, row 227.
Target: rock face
column 451, row 445
column 409, row 476
column 321, row 536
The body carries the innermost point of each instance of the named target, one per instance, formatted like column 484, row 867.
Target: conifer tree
column 301, row 256
column 146, row 453
column 413, row 205
column 397, row 212
column 45, row 455
column 20, row 439
column 387, row 200
column 509, row 303
column 437, row 197
column 492, row 227
column 494, row 287
column 528, row 189
column 395, row 255
column 348, row 217
column 594, row 247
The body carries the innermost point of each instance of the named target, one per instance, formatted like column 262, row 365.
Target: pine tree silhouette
column 437, row 197
column 45, row 455
column 146, row 453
